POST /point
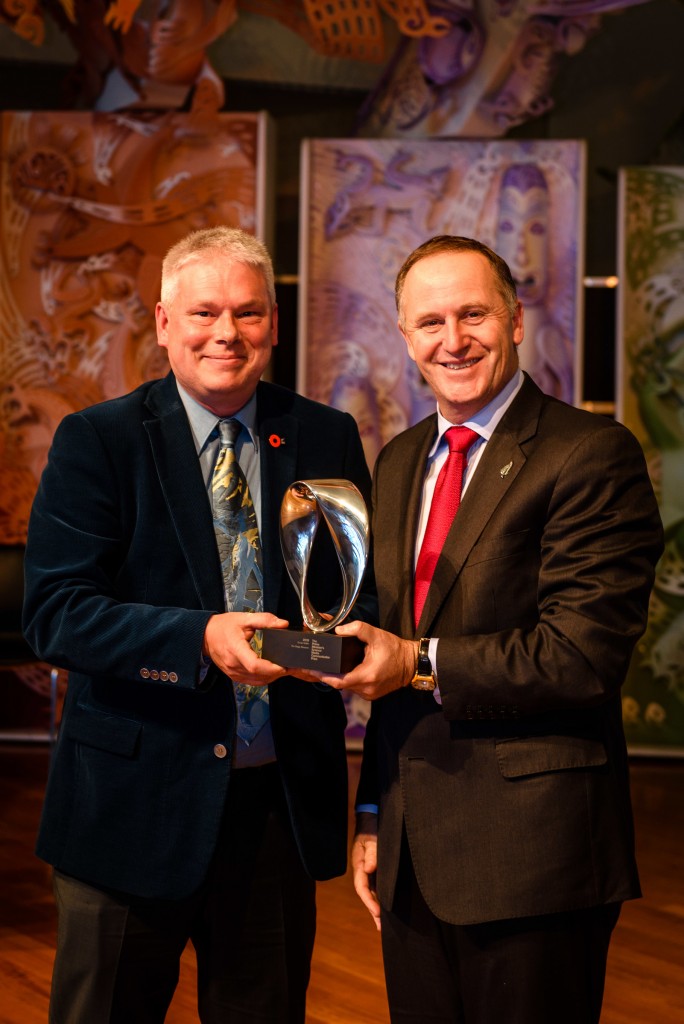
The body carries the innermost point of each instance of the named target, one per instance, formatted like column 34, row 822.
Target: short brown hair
column 457, row 243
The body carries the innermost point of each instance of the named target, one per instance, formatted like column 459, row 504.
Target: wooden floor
column 645, row 982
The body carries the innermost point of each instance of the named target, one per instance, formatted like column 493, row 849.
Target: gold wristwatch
column 424, row 676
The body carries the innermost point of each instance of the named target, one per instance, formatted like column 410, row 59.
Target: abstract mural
column 447, row 68
column 367, row 203
column 651, row 403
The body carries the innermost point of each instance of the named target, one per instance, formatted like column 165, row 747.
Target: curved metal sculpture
column 342, row 507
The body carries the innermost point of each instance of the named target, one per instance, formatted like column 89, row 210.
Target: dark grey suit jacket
column 122, row 575
column 514, row 793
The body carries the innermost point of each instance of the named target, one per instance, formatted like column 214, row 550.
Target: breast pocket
column 504, row 545
column 499, row 583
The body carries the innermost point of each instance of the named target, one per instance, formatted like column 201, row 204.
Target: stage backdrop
column 366, row 204
column 89, row 205
column 650, row 391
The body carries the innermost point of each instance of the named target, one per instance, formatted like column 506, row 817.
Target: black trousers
column 252, row 924
column 536, row 970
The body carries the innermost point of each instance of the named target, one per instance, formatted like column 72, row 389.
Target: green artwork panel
column 651, row 403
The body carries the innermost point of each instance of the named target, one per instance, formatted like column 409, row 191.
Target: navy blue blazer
column 122, row 575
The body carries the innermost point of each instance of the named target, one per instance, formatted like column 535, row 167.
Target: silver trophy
column 340, row 504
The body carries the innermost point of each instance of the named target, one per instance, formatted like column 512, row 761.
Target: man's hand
column 388, row 662
column 364, row 858
column 227, row 643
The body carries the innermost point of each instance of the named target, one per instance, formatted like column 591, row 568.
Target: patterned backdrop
column 651, row 403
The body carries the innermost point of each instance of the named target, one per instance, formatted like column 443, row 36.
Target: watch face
column 424, row 678
column 420, row 682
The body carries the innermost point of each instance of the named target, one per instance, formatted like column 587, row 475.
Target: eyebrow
column 465, row 307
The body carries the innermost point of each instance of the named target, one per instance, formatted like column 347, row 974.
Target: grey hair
column 236, row 244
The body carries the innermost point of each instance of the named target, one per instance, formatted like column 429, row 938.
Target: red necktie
column 445, row 502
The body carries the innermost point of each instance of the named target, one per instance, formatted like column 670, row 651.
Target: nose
column 225, row 328
column 454, row 336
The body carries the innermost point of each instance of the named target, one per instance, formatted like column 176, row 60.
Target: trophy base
column 320, row 652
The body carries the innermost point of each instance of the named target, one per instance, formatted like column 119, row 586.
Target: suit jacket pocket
column 104, row 731
column 540, row 754
column 502, row 545
column 499, row 584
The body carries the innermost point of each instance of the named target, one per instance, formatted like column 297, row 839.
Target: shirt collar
column 203, row 421
column 487, row 419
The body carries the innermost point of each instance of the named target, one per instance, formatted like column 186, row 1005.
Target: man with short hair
column 196, row 790
column 494, row 769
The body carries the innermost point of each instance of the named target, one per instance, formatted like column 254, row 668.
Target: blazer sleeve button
column 220, row 750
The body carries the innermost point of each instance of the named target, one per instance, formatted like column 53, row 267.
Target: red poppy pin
column 275, row 441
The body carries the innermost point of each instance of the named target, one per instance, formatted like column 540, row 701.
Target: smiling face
column 459, row 330
column 218, row 327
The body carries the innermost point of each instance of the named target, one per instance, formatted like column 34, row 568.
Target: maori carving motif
column 124, row 59
column 461, row 68
column 366, row 203
column 89, row 204
column 370, row 202
column 492, row 69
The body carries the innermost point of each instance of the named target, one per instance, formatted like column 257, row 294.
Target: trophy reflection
column 340, row 505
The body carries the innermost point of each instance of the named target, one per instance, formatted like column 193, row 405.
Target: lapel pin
column 275, row 441
column 505, row 470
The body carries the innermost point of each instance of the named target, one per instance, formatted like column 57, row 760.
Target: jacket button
column 173, row 677
column 145, row 673
column 220, row 750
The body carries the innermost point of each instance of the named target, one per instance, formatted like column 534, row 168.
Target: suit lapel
column 502, row 460
column 278, row 446
column 180, row 476
column 407, row 488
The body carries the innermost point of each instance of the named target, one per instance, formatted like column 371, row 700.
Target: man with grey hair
column 197, row 791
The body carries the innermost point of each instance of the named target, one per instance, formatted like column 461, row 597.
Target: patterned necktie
column 445, row 502
column 237, row 537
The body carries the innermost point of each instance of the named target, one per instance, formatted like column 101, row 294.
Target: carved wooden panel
column 89, row 205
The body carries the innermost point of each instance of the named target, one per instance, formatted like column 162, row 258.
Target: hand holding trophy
column 342, row 507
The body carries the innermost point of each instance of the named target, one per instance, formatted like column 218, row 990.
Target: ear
column 162, row 321
column 518, row 328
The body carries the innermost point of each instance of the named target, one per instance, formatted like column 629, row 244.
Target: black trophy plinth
column 320, row 652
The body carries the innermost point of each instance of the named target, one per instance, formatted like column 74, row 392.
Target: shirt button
column 220, row 750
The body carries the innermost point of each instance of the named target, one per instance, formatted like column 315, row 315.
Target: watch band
column 424, row 676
